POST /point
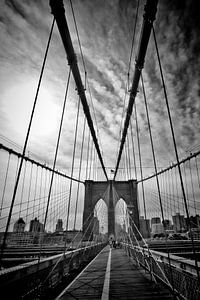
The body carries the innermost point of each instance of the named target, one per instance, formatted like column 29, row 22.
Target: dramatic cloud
column 106, row 30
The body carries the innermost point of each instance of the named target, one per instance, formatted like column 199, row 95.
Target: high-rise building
column 59, row 225
column 167, row 224
column 19, row 225
column 144, row 227
column 155, row 220
column 194, row 221
column 179, row 222
column 157, row 228
column 36, row 226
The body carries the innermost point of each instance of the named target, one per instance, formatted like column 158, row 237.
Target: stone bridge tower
column 110, row 192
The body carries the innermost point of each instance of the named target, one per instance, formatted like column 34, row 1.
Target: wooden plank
column 89, row 283
column 127, row 281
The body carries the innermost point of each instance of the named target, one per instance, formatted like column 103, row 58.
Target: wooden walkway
column 111, row 275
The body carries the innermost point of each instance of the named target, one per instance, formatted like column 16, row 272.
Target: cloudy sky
column 106, row 30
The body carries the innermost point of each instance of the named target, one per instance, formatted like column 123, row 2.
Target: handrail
column 26, row 280
column 180, row 272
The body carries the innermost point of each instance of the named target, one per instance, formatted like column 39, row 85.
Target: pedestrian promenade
column 111, row 276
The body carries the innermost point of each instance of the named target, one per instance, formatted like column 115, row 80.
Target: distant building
column 145, row 227
column 157, row 228
column 194, row 221
column 74, row 236
column 179, row 222
column 59, row 225
column 155, row 220
column 36, row 226
column 195, row 233
column 167, row 224
column 19, row 226
column 18, row 238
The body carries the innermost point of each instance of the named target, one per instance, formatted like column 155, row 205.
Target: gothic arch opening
column 111, row 192
column 100, row 230
column 121, row 220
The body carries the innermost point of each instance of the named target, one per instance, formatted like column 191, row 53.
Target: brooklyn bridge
column 99, row 181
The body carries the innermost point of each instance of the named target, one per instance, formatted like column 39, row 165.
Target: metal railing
column 178, row 274
column 35, row 280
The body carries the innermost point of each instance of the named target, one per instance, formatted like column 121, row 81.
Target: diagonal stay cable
column 176, row 152
column 66, row 249
column 26, row 141
column 150, row 252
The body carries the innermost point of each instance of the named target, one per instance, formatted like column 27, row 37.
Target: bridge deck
column 111, row 275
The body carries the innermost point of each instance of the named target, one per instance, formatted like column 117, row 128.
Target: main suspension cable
column 58, row 11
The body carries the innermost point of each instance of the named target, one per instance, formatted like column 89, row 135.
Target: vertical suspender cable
column 128, row 73
column 57, row 147
column 173, row 191
column 22, row 191
column 87, row 159
column 127, row 164
column 192, row 185
column 129, row 159
column 72, row 168
column 29, row 192
column 17, row 167
column 35, row 190
column 177, row 193
column 133, row 146
column 90, row 160
column 140, row 161
column 40, row 192
column 26, row 142
column 85, row 71
column 197, row 171
column 79, row 174
column 149, row 17
column 5, row 183
column 186, row 187
column 58, row 11
column 176, row 151
column 157, row 181
column 95, row 167
column 55, row 159
column 152, row 147
column 170, row 193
